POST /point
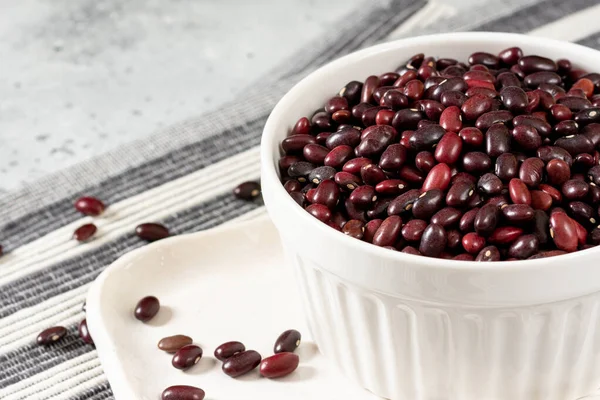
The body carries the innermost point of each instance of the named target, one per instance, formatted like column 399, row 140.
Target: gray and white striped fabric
column 183, row 177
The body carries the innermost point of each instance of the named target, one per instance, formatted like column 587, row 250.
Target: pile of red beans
column 496, row 159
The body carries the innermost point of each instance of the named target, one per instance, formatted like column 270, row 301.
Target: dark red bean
column 518, row 192
column 497, row 140
column 393, row 157
column 467, row 221
column 451, row 119
column 505, row 235
column 228, row 349
column 405, row 77
column 486, row 220
column 471, row 136
column 406, row 119
column 391, row 186
column 171, row 344
column 370, row 229
column 473, row 243
column 448, row 149
column 506, row 167
column 51, row 335
column 464, row 257
column 151, row 231
column 540, row 200
column 476, row 162
column 363, row 196
column 302, row 127
column 299, row 198
column 186, row 357
column 426, row 138
column 320, row 212
column 241, row 363
column 315, row 153
column 338, row 156
column 183, row 392
column 346, row 136
column 493, row 117
column 288, row 341
column 371, row 83
column 433, row 240
column 446, row 217
column 558, row 171
column 413, row 89
column 490, row 184
column 524, row 247
column 428, row 203
column 574, row 103
column 295, row 143
column 84, row 232
column 574, row 189
column 563, row 232
column 517, row 213
column 476, row 106
column 279, row 365
column 413, row 230
column 535, row 79
column 489, row 253
column 531, row 171
column 511, row 55
column 452, row 98
column 552, row 192
column 411, row 174
column 327, row 193
column 147, row 308
column 292, row 186
column 354, row 228
column 487, row 59
column 336, row 103
column 529, row 64
column 89, row 206
column 247, row 190
column 425, row 161
column 388, row 232
column 394, row 99
column 547, row 153
column 347, row 180
column 84, row 332
column 460, row 193
column 514, row 99
column 527, row 137
column 438, row 178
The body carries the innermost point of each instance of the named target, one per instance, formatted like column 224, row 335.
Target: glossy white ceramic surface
column 432, row 329
column 224, row 284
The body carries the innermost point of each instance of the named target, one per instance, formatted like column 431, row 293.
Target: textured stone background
column 80, row 77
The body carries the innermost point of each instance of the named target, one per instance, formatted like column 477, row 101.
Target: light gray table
column 78, row 78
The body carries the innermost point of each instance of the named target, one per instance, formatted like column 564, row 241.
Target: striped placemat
column 183, row 177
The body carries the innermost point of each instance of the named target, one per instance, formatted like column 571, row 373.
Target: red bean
column 279, row 365
column 147, row 308
column 413, row 230
column 327, row 193
column 519, row 193
column 183, row 392
column 558, row 171
column 524, row 247
column 186, row 357
column 517, row 213
column 241, row 363
column 473, row 243
column 84, row 332
column 438, row 178
column 540, row 200
column 389, row 231
column 505, row 235
column 171, row 344
column 370, row 228
column 354, row 228
column 563, row 232
column 84, row 232
column 320, row 212
column 89, row 206
column 486, row 220
column 433, row 240
column 51, row 335
column 228, row 349
column 288, row 341
column 151, row 231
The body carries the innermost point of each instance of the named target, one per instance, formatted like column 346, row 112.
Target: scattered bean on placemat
column 182, row 392
column 151, row 231
column 187, row 356
column 241, row 363
column 84, row 332
column 279, row 365
column 51, row 335
column 84, row 232
column 89, row 206
column 247, row 190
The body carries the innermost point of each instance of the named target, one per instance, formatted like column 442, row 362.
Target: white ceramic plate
column 228, row 283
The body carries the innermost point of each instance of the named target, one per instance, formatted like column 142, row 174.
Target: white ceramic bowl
column 417, row 328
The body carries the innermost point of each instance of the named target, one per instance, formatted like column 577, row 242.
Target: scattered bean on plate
column 228, row 349
column 183, row 392
column 287, row 342
column 279, row 365
column 187, row 356
column 171, row 344
column 241, row 363
column 147, row 308
column 489, row 160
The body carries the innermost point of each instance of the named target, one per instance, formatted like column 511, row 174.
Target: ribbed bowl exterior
column 402, row 349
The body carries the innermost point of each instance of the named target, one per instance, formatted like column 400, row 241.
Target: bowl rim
column 269, row 172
